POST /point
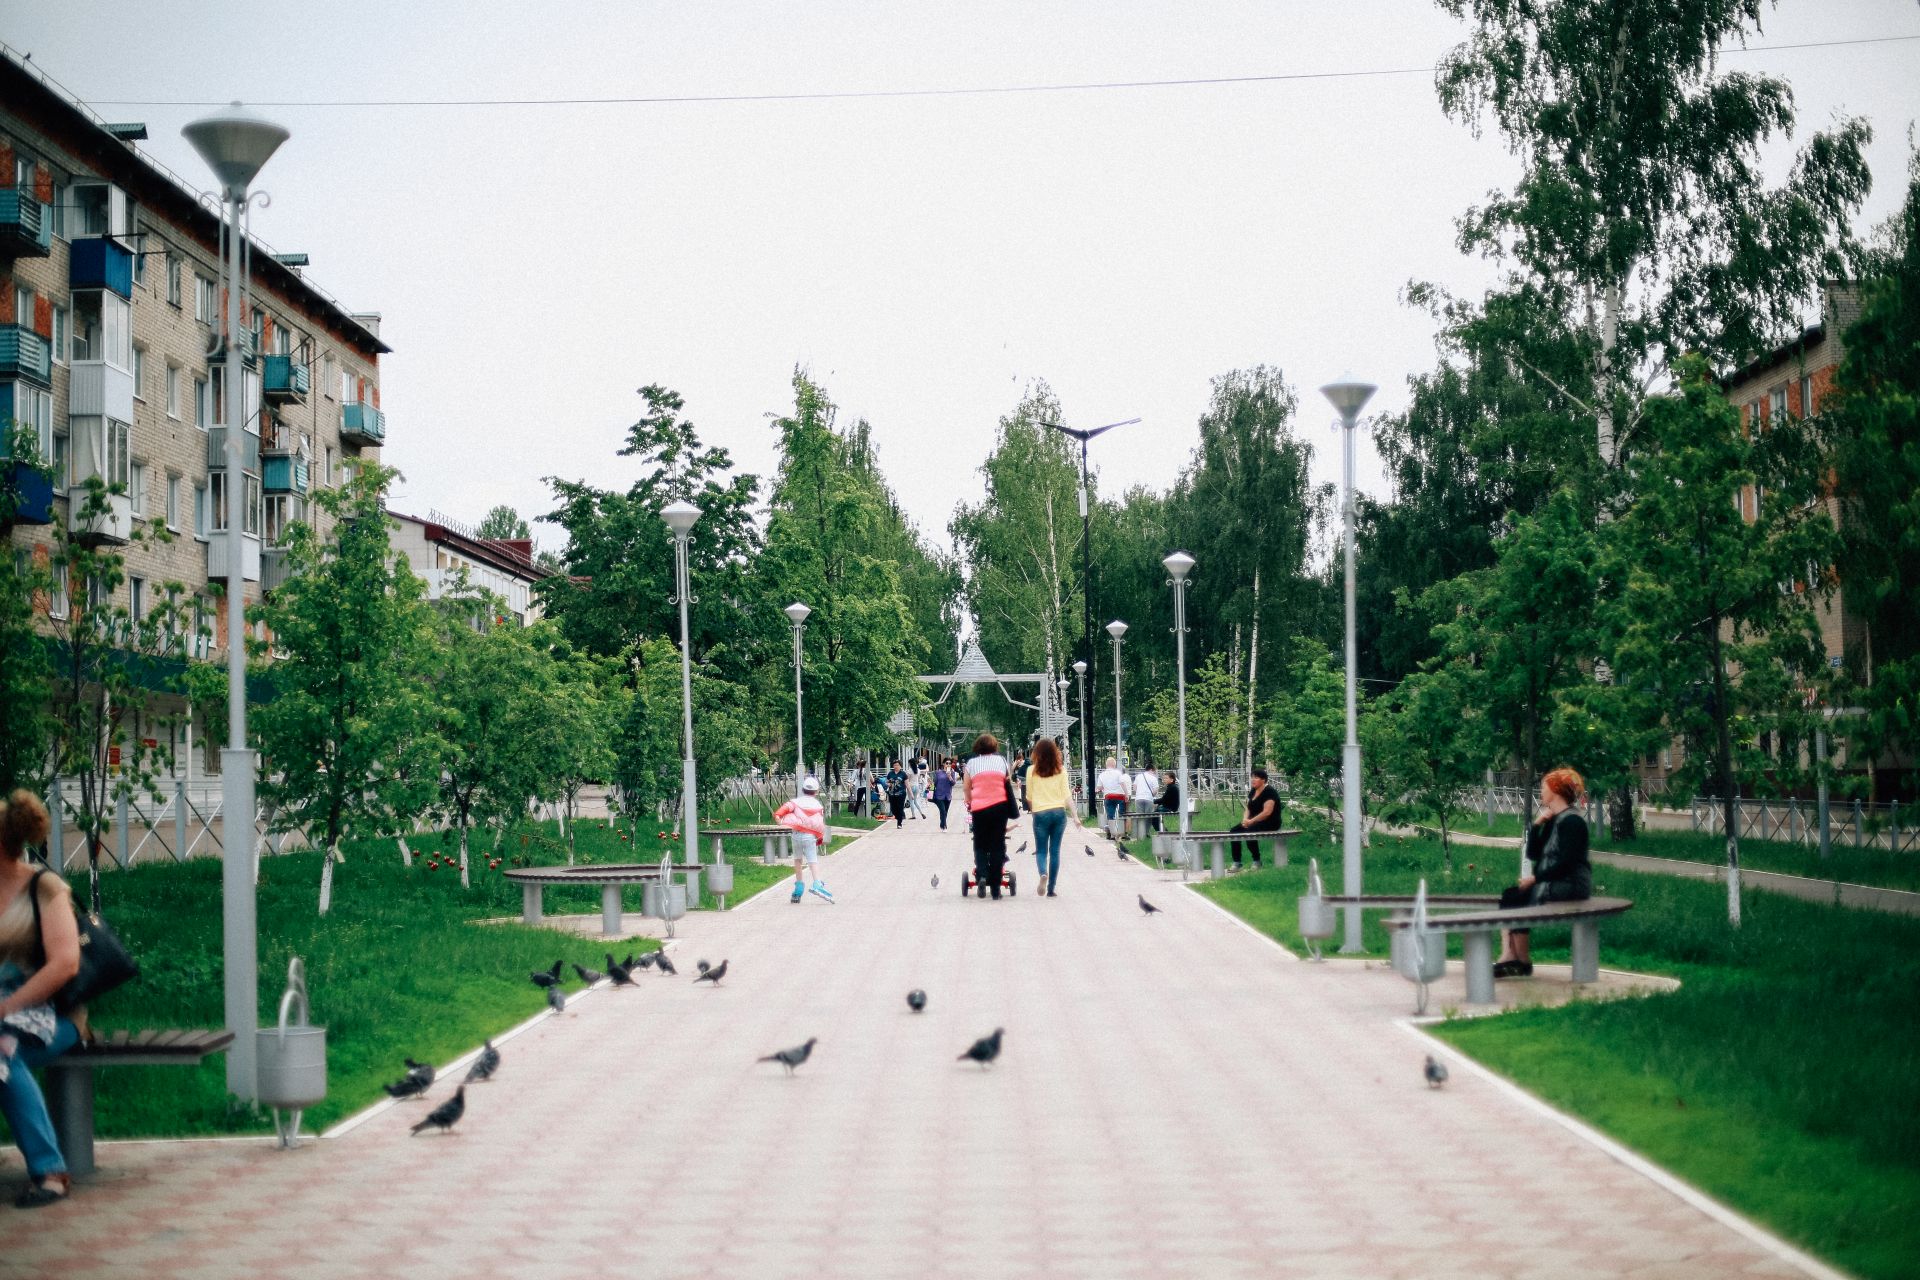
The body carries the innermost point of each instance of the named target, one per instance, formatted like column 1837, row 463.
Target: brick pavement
column 1177, row 1098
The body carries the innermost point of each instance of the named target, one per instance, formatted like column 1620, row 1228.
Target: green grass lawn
column 1783, row 1077
column 398, row 967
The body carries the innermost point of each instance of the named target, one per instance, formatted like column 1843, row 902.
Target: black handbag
column 104, row 960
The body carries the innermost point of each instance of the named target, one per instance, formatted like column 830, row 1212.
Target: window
column 173, row 280
column 1806, row 397
column 139, row 261
column 113, row 441
column 33, row 408
column 98, row 597
column 137, row 598
column 252, row 513
column 202, row 515
column 1777, row 404
column 283, row 510
column 202, row 405
column 103, row 328
column 57, row 594
column 326, row 477
column 137, row 487
column 349, row 393
column 62, row 326
column 173, row 503
column 139, row 373
column 206, row 299
column 173, row 391
column 23, row 306
column 62, row 457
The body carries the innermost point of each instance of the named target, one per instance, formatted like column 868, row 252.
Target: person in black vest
column 1562, row 871
column 1264, row 808
column 1169, row 799
column 896, row 783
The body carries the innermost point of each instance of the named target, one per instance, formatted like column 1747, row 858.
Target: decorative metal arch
column 973, row 668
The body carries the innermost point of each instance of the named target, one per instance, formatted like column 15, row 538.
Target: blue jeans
column 1049, row 826
column 26, row 1110
column 1114, row 806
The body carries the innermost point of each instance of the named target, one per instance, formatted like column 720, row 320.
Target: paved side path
column 1177, row 1098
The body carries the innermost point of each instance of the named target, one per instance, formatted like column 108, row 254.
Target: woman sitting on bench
column 1557, row 848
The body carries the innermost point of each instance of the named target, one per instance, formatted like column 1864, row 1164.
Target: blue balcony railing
column 362, row 424
column 28, row 491
column 25, row 229
column 101, row 263
column 283, row 473
column 285, row 380
column 26, row 355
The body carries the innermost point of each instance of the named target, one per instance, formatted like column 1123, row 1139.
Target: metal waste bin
column 1316, row 913
column 720, row 881
column 291, row 1060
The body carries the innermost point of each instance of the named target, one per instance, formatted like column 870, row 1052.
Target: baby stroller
column 969, row 883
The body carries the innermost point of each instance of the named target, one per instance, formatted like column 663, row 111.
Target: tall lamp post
column 1179, row 565
column 797, row 613
column 1066, row 713
column 680, row 518
column 1086, row 730
column 235, row 146
column 1118, row 629
column 1348, row 398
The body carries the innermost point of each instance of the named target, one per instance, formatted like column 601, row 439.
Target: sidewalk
column 1177, row 1098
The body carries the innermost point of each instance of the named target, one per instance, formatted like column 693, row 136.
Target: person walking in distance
column 1114, row 787
column 1047, row 800
column 1264, row 810
column 806, row 818
column 1145, row 792
column 916, row 786
column 896, row 784
column 987, row 791
column 943, row 791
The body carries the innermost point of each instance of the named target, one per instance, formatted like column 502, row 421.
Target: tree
column 347, row 737
column 503, row 522
column 1718, row 601
column 25, row 676
column 1309, row 725
column 582, row 742
column 1873, row 423
column 1429, row 741
column 647, row 762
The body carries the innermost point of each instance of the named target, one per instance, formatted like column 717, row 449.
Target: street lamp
column 235, row 146
column 680, row 518
column 1117, row 629
column 1179, row 565
column 798, row 612
column 1086, row 731
column 1348, row 397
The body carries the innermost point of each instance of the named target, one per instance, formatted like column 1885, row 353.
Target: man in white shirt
column 1114, row 787
column 1145, row 791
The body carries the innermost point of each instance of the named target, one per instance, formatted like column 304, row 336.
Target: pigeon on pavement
column 714, row 974
column 1146, row 906
column 619, row 974
column 588, row 976
column 936, row 882
column 556, row 1000
column 702, row 965
column 647, row 961
column 424, row 1070
column 1436, row 1072
column 407, row 1086
column 485, row 1065
column 984, row 1050
column 916, row 999
column 791, row 1058
column 1121, row 850
column 663, row 964
column 447, row 1114
column 547, row 979
column 1088, row 848
column 1021, row 849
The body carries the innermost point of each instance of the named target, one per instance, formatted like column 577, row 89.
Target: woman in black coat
column 1562, row 870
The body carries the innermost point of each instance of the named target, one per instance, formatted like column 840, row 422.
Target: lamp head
column 1080, row 668
column 680, row 517
column 235, row 144
column 797, row 612
column 1116, row 628
column 1179, row 564
column 1349, row 396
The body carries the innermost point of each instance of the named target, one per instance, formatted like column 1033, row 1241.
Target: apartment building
column 112, row 354
column 444, row 553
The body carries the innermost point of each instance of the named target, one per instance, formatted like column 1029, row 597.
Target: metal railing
column 1855, row 823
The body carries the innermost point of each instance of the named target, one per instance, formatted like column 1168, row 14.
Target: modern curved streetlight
column 1348, row 397
column 236, row 145
column 797, row 613
column 1178, row 566
column 680, row 518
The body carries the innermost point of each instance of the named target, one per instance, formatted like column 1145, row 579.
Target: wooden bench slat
column 161, row 1039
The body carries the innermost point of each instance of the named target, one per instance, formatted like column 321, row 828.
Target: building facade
column 446, row 554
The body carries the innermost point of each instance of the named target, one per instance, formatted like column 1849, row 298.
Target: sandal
column 1507, row 969
column 41, row 1191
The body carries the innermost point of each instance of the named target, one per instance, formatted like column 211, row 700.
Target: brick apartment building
column 112, row 347
column 443, row 552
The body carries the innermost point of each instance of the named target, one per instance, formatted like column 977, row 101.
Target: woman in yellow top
column 1047, row 799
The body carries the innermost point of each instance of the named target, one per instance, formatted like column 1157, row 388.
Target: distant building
column 440, row 550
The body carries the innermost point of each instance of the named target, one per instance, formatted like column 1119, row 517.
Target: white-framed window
column 103, row 328
column 283, row 510
column 202, row 512
column 23, row 306
column 33, row 408
column 98, row 597
column 57, row 600
column 349, row 388
column 139, row 373
column 62, row 331
column 206, row 300
column 137, row 597
column 173, row 391
column 1806, row 397
column 137, row 487
column 1777, row 404
column 62, row 457
column 173, row 279
column 173, row 502
column 202, row 404
column 326, row 477
column 251, row 514
column 117, row 457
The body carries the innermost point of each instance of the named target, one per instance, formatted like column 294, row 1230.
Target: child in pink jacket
column 806, row 817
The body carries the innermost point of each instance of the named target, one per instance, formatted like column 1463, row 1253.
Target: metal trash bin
column 1419, row 954
column 1317, row 916
column 290, row 1062
column 720, row 882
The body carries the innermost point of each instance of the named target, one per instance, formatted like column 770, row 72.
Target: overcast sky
column 926, row 258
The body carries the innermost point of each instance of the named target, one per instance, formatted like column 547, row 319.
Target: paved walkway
column 1177, row 1098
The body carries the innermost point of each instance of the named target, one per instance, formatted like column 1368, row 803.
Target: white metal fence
column 1854, row 823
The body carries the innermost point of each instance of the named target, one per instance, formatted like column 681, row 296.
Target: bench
column 70, row 1079
column 1216, row 841
column 1140, row 821
column 610, row 879
column 1477, row 928
column 776, row 842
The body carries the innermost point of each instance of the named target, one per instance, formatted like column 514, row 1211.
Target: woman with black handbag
column 39, row 953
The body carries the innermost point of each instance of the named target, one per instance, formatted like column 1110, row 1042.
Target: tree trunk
column 1620, row 812
column 1730, row 809
column 326, row 873
column 463, row 852
column 1253, row 668
column 1610, row 302
column 406, row 854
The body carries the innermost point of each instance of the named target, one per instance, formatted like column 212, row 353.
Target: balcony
column 26, row 355
column 275, row 568
column 248, row 355
column 114, row 525
column 217, row 555
column 217, row 450
column 26, row 494
column 286, row 380
column 284, row 473
column 25, row 229
column 100, row 390
column 362, row 424
column 101, row 263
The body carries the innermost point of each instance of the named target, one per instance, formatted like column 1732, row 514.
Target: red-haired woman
column 1557, row 848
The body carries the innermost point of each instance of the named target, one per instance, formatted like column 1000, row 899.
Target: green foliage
column 1428, row 740
column 503, row 522
column 647, row 765
column 1216, row 717
column 25, row 676
column 1309, row 725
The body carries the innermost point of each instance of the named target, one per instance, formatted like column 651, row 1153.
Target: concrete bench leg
column 1586, row 951
column 610, row 909
column 766, row 850
column 531, row 907
column 70, row 1106
column 1479, row 950
column 1279, row 851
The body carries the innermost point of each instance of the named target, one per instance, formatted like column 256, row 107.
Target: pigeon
column 1146, row 906
column 916, row 1000
column 714, row 974
column 936, row 882
column 663, row 964
column 619, row 974
column 424, row 1070
column 588, row 976
column 1436, row 1072
column 548, row 979
column 1122, row 851
column 702, row 965
column 791, row 1058
column 447, row 1114
column 556, row 1000
column 1022, row 848
column 408, row 1086
column 485, row 1065
column 1088, row 848
column 646, row 961
column 985, row 1050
